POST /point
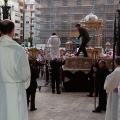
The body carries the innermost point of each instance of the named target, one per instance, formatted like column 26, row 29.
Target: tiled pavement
column 65, row 106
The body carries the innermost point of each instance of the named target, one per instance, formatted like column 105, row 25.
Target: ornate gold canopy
column 93, row 22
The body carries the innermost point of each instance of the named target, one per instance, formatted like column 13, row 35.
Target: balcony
column 21, row 7
column 32, row 17
column 31, row 10
column 31, row 32
column 21, row 34
column 32, row 24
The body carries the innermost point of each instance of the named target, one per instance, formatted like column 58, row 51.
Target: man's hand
column 94, row 75
column 115, row 90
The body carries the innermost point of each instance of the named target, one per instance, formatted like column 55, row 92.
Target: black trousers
column 83, row 49
column 32, row 95
column 91, row 86
column 102, row 99
column 47, row 72
column 55, row 80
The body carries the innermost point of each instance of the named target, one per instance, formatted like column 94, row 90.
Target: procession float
column 76, row 68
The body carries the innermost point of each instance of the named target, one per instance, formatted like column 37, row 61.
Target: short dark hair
column 30, row 61
column 6, row 28
column 97, row 65
column 117, row 60
column 102, row 61
column 53, row 33
column 77, row 25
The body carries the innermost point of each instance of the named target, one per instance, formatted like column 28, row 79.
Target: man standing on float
column 85, row 39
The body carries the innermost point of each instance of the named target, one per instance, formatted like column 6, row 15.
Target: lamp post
column 118, row 32
column 116, row 42
column 5, row 11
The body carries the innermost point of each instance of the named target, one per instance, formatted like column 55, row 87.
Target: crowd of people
column 18, row 76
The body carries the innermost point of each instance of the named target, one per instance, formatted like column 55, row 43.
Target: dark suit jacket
column 84, row 34
column 90, row 74
column 101, row 75
column 33, row 82
column 55, row 67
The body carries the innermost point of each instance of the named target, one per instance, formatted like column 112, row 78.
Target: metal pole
column 94, row 93
column 114, row 42
column 5, row 10
column 118, row 41
column 23, row 21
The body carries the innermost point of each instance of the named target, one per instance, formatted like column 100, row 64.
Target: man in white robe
column 55, row 42
column 111, row 82
column 14, row 75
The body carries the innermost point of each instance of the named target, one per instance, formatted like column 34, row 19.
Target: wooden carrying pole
column 94, row 61
column 94, row 93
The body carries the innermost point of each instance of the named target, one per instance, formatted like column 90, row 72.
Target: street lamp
column 116, row 42
column 118, row 32
column 5, row 11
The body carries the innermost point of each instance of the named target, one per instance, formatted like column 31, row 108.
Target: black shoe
column 104, row 109
column 96, row 96
column 85, row 56
column 76, row 54
column 89, row 95
column 33, row 109
column 53, row 91
column 39, row 87
column 58, row 92
column 96, row 111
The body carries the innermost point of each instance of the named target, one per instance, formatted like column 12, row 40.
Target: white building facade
column 16, row 13
column 29, row 19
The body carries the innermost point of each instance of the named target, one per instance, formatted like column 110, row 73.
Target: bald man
column 14, row 75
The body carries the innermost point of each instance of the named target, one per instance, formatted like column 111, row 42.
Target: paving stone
column 64, row 106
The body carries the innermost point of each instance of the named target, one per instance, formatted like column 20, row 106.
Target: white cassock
column 14, row 78
column 55, row 43
column 113, row 105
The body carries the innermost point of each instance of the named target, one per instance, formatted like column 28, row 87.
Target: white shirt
column 55, row 43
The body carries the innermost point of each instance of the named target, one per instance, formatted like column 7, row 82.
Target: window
column 27, row 22
column 17, row 21
column 26, row 28
column 16, row 14
column 64, row 2
column 79, row 2
column 28, row 7
column 32, row 21
column 50, row 3
column 27, row 14
column 27, row 0
column 110, row 1
column 16, row 34
column 33, row 7
column 93, row 2
column 12, row 7
column 109, row 24
column 33, row 14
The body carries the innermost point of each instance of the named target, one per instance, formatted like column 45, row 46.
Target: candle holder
column 69, row 46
